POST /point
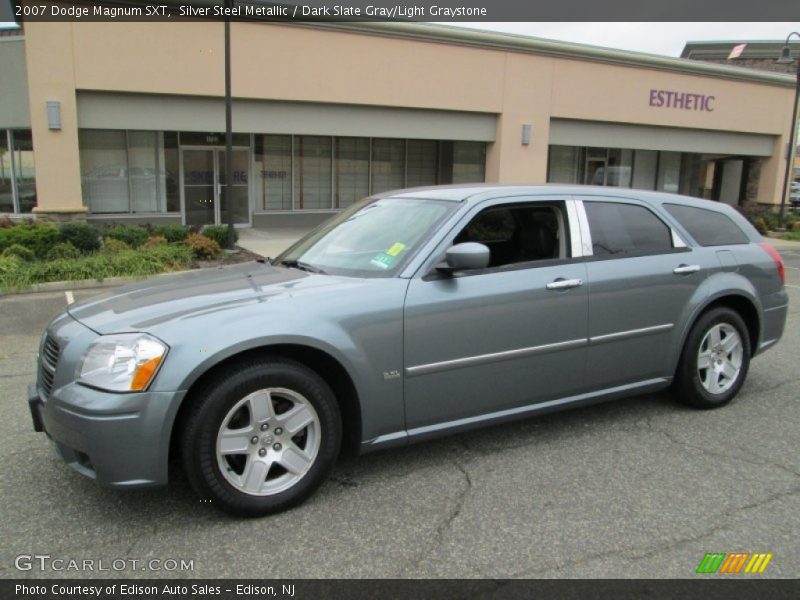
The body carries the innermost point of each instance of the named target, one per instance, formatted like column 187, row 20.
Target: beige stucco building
column 125, row 121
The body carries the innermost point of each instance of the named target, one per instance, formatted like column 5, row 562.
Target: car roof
column 479, row 192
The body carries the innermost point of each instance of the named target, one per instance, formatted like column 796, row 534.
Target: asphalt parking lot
column 637, row 488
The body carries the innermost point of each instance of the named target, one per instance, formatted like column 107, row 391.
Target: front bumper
column 119, row 440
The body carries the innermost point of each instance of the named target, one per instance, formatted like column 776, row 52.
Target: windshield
column 373, row 238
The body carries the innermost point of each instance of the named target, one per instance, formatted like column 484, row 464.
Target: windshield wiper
column 303, row 266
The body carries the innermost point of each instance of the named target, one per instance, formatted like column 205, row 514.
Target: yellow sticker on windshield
column 396, row 249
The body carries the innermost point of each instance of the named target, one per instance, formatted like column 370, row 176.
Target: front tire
column 262, row 437
column 715, row 360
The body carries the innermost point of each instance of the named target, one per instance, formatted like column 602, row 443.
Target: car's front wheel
column 262, row 437
column 714, row 361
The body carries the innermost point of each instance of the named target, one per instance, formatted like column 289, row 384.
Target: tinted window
column 626, row 229
column 708, row 227
column 516, row 234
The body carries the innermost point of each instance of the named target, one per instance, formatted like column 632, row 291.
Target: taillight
column 777, row 258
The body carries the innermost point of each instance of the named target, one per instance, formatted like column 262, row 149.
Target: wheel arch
column 319, row 361
column 741, row 302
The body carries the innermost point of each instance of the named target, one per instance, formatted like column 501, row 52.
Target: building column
column 507, row 159
column 51, row 77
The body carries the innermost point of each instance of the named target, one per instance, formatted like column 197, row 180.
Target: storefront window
column 644, row 170
column 352, row 170
column 125, row 171
column 24, row 170
column 104, row 171
column 469, row 162
column 273, row 181
column 669, row 172
column 388, row 165
column 6, row 189
column 564, row 165
column 312, row 172
column 421, row 163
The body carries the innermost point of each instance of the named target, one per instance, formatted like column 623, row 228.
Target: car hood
column 143, row 306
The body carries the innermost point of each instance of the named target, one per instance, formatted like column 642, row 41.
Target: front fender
column 363, row 335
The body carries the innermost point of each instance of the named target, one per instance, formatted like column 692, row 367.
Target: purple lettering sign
column 682, row 100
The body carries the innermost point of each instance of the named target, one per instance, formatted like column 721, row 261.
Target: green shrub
column 203, row 247
column 39, row 237
column 111, row 245
column 172, row 233
column 20, row 251
column 219, row 233
column 155, row 240
column 761, row 225
column 132, row 235
column 796, row 226
column 15, row 274
column 63, row 250
column 84, row 237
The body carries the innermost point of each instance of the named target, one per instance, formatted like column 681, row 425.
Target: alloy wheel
column 268, row 441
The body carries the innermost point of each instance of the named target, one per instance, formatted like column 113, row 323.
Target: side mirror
column 466, row 256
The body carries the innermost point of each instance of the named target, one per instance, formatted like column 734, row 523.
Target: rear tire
column 714, row 361
column 262, row 437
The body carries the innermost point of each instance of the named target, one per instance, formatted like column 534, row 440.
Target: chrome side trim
column 458, row 363
column 768, row 344
column 620, row 335
column 586, row 234
column 514, row 413
column 781, row 307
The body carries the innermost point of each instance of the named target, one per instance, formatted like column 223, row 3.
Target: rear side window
column 708, row 227
column 620, row 229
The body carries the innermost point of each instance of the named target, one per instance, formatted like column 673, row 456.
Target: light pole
column 228, row 127
column 786, row 59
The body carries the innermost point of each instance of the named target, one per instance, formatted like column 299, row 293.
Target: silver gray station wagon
column 410, row 315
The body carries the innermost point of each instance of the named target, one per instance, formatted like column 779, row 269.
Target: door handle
column 564, row 284
column 686, row 269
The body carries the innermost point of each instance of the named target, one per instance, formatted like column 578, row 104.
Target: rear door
column 499, row 338
column 641, row 276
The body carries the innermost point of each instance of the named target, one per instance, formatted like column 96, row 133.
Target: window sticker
column 383, row 260
column 396, row 249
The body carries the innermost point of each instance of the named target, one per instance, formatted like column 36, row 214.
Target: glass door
column 204, row 190
column 199, row 186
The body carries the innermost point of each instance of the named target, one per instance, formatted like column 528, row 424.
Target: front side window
column 518, row 233
column 626, row 229
column 373, row 238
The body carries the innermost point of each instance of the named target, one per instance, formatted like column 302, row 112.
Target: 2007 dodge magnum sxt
column 410, row 315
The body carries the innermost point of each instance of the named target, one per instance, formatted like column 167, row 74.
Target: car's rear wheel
column 714, row 361
column 262, row 437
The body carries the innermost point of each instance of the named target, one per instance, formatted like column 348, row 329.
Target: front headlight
column 124, row 362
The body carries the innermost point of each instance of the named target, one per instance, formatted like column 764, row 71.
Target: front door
column 500, row 338
column 204, row 189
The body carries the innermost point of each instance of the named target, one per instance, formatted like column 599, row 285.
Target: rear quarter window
column 707, row 227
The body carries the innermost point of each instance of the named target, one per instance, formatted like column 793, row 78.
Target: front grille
column 48, row 363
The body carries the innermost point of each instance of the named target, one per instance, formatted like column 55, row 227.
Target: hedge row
column 18, row 274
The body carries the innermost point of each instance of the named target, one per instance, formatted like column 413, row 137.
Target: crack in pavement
column 446, row 524
column 760, row 460
column 630, row 554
